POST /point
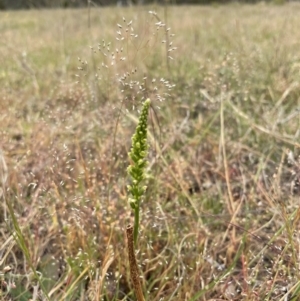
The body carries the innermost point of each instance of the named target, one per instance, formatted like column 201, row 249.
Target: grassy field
column 220, row 220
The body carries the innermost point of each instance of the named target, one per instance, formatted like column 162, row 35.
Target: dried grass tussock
column 219, row 219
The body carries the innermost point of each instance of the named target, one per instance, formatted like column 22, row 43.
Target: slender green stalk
column 136, row 224
column 136, row 170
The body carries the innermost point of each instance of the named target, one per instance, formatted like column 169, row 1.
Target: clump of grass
column 58, row 143
column 79, row 262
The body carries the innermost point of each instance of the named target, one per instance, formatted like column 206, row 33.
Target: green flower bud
column 132, row 203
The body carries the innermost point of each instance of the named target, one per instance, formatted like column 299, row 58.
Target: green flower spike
column 138, row 165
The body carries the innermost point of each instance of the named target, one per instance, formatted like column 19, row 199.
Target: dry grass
column 220, row 220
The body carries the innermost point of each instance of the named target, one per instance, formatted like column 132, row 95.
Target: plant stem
column 136, row 224
column 134, row 271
